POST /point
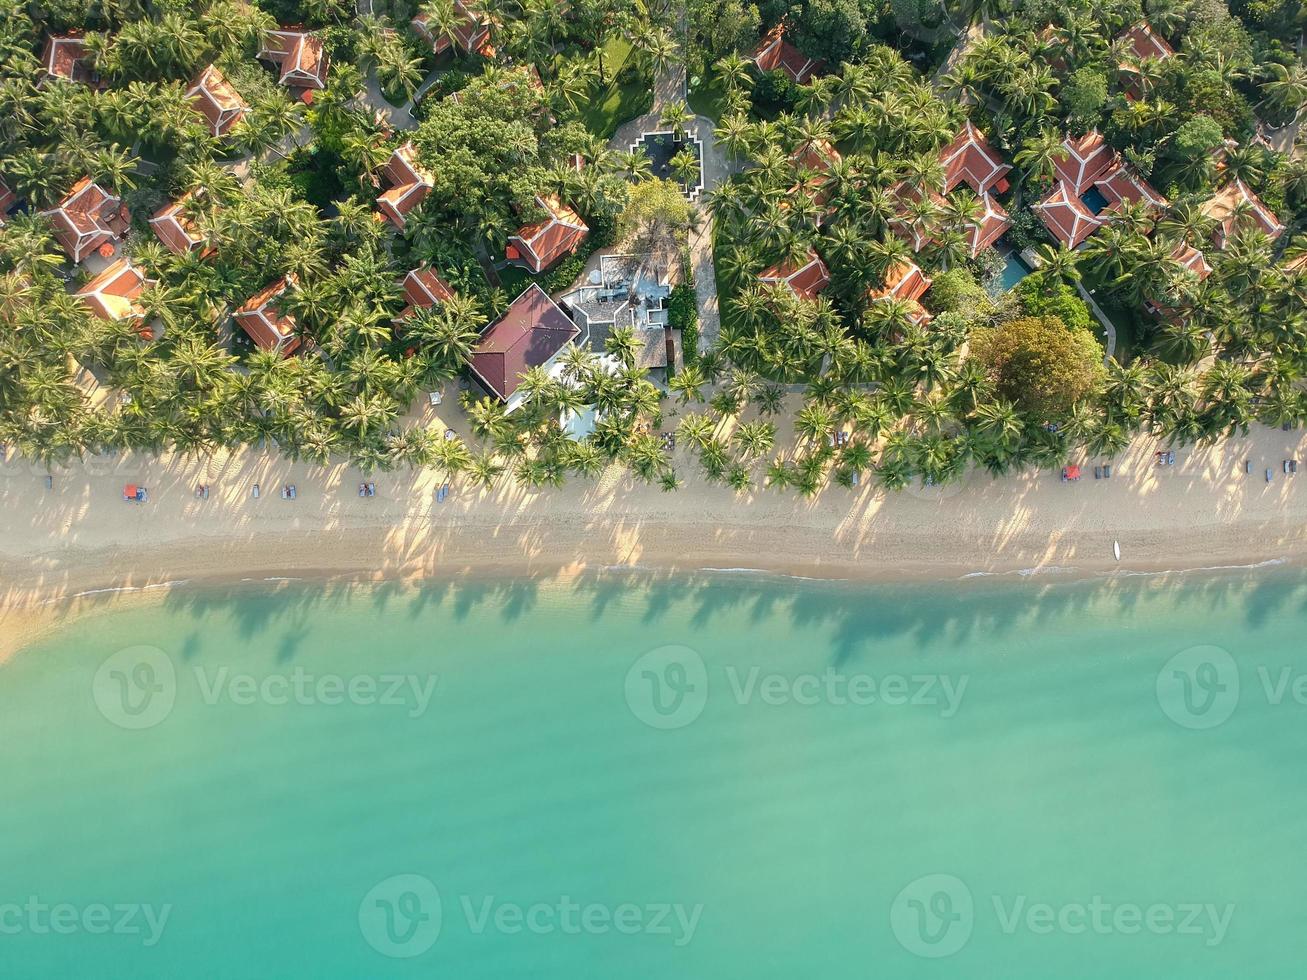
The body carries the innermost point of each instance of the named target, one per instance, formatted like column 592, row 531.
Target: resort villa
column 268, row 325
column 806, row 277
column 300, row 57
column 88, row 219
column 423, row 289
column 112, row 295
column 175, row 226
column 65, row 58
column 1235, row 208
column 906, row 282
column 1143, row 44
column 409, row 184
column 7, row 201
column 533, row 331
column 470, row 33
column 217, row 100
column 1092, row 182
column 970, row 160
column 774, row 53
column 628, row 291
column 539, row 245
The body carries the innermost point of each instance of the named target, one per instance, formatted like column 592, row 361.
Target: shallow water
column 692, row 777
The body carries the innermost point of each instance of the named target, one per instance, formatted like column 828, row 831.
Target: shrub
column 1039, row 297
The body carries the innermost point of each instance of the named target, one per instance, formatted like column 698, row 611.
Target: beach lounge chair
column 1285, row 467
column 1098, row 472
column 1247, row 465
column 442, row 493
column 255, row 491
column 1170, row 458
column 1268, row 474
column 434, row 398
column 1107, row 471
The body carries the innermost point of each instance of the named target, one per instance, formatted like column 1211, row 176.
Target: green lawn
column 708, row 97
column 616, row 103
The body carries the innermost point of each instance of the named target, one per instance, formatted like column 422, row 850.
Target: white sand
column 81, row 536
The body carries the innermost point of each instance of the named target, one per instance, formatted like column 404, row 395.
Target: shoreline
column 62, row 548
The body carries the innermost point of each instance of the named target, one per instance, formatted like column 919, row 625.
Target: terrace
column 625, row 291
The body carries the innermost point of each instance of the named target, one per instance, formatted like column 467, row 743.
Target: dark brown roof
column 532, row 331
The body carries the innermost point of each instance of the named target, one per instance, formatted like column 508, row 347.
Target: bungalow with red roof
column 774, row 53
column 988, row 227
column 267, row 324
column 1066, row 216
column 806, row 277
column 409, row 181
column 1192, row 261
column 423, row 289
column 299, row 55
column 970, row 160
column 909, row 224
column 818, row 156
column 533, row 331
column 1085, row 159
column 7, row 201
column 905, row 281
column 471, row 32
column 1122, row 185
column 1236, row 207
column 539, row 245
column 1144, row 42
column 112, row 295
column 217, row 100
column 88, row 218
column 65, row 57
column 175, row 226
column 1298, row 265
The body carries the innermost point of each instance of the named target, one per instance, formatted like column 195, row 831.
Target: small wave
column 1268, row 563
column 1026, row 572
column 121, row 588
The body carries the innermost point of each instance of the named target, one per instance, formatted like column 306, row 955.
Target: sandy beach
column 75, row 545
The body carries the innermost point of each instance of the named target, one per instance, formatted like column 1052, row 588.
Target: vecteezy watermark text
column 38, row 918
column 935, row 915
column 668, row 687
column 137, row 688
column 403, row 916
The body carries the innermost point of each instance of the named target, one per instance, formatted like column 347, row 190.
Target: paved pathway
column 1109, row 327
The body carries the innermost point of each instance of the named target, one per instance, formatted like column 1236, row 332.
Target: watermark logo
column 136, row 687
column 933, row 916
column 1198, row 688
column 667, row 687
column 39, row 918
column 401, row 916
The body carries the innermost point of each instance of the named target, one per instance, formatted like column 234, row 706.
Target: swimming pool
column 1014, row 269
column 1094, row 200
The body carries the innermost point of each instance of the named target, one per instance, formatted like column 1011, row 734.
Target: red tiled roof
column 423, row 288
column 298, row 54
column 1147, row 43
column 903, row 280
column 774, row 52
column 471, row 33
column 65, row 57
column 1193, row 260
column 261, row 318
column 87, row 218
column 175, row 228
column 806, row 279
column 1066, row 216
column 902, row 224
column 1123, row 185
column 113, row 293
column 217, row 100
column 818, row 157
column 531, row 332
column 1297, row 265
column 970, row 159
column 543, row 243
column 410, row 184
column 993, row 221
column 1221, row 208
column 7, row 200
column 1087, row 158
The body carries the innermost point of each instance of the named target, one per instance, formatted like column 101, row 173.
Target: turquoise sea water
column 714, row 777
